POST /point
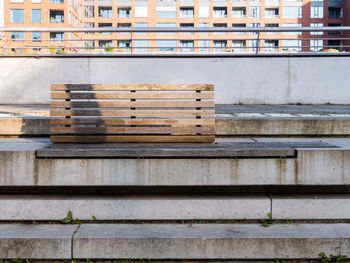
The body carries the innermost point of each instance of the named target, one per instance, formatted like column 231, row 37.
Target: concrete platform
column 134, row 207
column 36, row 241
column 174, row 207
column 173, row 241
column 19, row 166
column 233, row 120
column 215, row 241
column 311, row 207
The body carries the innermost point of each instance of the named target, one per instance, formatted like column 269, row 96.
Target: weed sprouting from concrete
column 69, row 219
column 331, row 258
column 266, row 222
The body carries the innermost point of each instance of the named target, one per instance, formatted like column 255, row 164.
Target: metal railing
column 173, row 40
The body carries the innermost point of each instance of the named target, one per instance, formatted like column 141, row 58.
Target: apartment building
column 178, row 13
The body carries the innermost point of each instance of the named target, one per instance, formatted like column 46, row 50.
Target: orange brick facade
column 153, row 13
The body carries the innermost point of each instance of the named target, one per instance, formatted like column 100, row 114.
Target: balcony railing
column 156, row 41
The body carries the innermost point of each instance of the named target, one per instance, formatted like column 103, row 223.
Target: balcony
column 56, row 16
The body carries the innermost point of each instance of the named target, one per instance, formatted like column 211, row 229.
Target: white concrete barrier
column 248, row 80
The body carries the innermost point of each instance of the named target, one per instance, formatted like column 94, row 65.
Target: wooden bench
column 96, row 113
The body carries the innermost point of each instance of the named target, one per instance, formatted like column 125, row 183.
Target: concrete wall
column 248, row 80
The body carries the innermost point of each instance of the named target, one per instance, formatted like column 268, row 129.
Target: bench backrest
column 91, row 113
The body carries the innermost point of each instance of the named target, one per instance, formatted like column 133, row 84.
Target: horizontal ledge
column 130, row 87
column 230, row 150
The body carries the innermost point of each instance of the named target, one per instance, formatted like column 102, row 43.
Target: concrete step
column 174, row 207
column 19, row 166
column 169, row 207
column 231, row 120
column 174, row 241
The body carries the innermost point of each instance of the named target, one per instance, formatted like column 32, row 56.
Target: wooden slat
column 162, row 87
column 94, row 121
column 132, row 104
column 134, row 95
column 130, row 138
column 137, row 113
column 132, row 130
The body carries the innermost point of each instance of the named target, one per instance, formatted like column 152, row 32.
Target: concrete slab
column 36, row 241
column 55, row 207
column 233, row 120
column 20, row 167
column 204, row 241
column 311, row 207
column 179, row 150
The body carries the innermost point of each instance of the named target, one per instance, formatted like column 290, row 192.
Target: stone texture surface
column 36, row 241
column 168, row 207
column 215, row 241
column 311, row 207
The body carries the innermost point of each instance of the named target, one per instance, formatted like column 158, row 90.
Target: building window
column 335, row 44
column 17, row 36
column 124, row 25
column 220, row 12
column 140, row 45
column 291, row 45
column 292, row 12
column 254, row 25
column 203, row 45
column 316, row 12
column 141, row 25
column 220, row 25
column 316, row 32
column 124, row 45
column 17, row 16
column 89, row 25
column 271, row 25
column 166, row 13
column 89, row 11
column 166, row 45
column 89, row 45
column 36, row 36
column 271, row 13
column 219, row 45
column 292, row 25
column 105, row 12
column 105, row 43
column 187, row 25
column 36, row 1
column 203, row 25
column 316, row 45
column 271, row 45
column 186, row 12
column 56, row 1
column 335, row 12
column 124, row 12
column 104, row 25
column 255, row 11
column 238, row 45
column 186, row 45
column 166, row 25
column 56, row 16
column 238, row 12
column 238, row 25
column 334, row 33
column 36, row 15
column 56, row 37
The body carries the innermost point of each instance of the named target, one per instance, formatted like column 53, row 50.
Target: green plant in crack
column 278, row 261
column 69, row 219
column 289, row 221
column 266, row 222
column 331, row 258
